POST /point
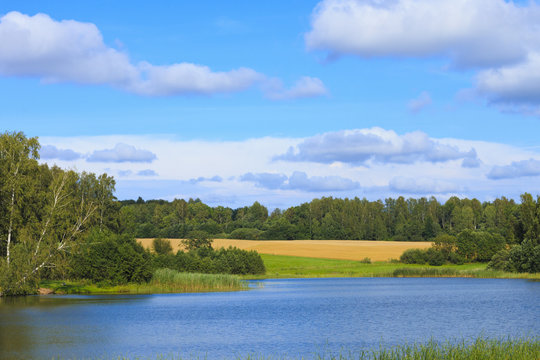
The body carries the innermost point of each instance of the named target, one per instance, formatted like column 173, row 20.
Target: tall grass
column 173, row 281
column 479, row 349
column 453, row 272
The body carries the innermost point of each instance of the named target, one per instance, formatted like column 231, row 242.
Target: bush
column 525, row 257
column 162, row 246
column 435, row 257
column 365, row 260
column 414, row 256
column 210, row 261
column 197, row 239
column 111, row 258
column 501, row 261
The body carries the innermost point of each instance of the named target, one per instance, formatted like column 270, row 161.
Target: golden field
column 327, row 249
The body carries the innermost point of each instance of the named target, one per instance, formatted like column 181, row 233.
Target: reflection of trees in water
column 15, row 325
column 29, row 322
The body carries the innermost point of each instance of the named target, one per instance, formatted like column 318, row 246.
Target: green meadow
column 279, row 266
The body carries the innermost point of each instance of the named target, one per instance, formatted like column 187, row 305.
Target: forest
column 57, row 223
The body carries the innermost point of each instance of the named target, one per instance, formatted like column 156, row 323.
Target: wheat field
column 326, row 249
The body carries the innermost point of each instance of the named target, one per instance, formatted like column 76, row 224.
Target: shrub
column 365, row 260
column 111, row 258
column 197, row 239
column 162, row 246
column 525, row 257
column 435, row 257
column 414, row 256
column 501, row 261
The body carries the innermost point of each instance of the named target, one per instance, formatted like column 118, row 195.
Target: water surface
column 296, row 317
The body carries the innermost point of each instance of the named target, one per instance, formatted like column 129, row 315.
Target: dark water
column 284, row 318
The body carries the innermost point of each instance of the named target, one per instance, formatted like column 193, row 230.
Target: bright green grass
column 280, row 266
column 163, row 281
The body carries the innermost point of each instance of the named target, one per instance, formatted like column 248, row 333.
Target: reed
column 478, row 349
column 456, row 272
column 173, row 281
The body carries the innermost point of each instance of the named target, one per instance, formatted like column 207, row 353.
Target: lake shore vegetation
column 280, row 266
column 59, row 224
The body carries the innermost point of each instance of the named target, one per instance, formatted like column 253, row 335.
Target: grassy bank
column 163, row 281
column 279, row 266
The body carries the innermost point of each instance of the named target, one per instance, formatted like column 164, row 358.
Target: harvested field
column 326, row 249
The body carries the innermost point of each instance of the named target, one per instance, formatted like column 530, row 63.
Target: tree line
column 332, row 218
column 57, row 223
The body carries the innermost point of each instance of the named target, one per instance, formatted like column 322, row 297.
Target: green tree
column 18, row 168
column 197, row 240
column 162, row 246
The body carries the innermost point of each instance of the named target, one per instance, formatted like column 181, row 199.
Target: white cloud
column 60, row 51
column 306, row 87
column 188, row 168
column 422, row 186
column 186, row 78
column 299, row 180
column 419, row 103
column 215, row 178
column 72, row 51
column 147, row 172
column 516, row 169
column 517, row 84
column 122, row 153
column 471, row 163
column 377, row 145
column 265, row 180
column 479, row 33
column 52, row 152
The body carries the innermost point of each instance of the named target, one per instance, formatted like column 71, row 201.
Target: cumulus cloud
column 147, row 172
column 299, row 180
column 500, row 38
column 516, row 169
column 480, row 33
column 72, row 51
column 265, row 180
column 52, row 152
column 422, row 186
column 122, row 153
column 378, row 145
column 417, row 104
column 517, row 84
column 306, row 87
column 186, row 78
column 215, row 178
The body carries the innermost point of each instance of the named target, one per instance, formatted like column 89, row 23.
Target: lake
column 289, row 318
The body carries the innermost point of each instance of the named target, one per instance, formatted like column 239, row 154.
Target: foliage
column 197, row 240
column 111, row 258
column 520, row 258
column 246, row 234
column 44, row 214
column 162, row 246
column 210, row 261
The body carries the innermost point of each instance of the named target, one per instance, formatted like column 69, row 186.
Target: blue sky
column 280, row 102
